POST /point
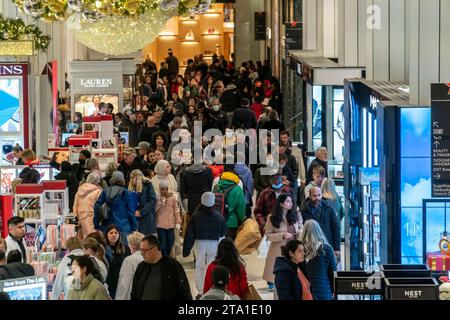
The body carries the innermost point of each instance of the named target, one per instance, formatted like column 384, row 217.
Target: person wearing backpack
column 119, row 209
column 230, row 201
column 204, row 232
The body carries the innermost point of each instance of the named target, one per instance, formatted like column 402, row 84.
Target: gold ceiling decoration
column 113, row 27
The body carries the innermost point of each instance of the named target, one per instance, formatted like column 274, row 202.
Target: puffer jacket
column 235, row 199
column 321, row 273
column 120, row 213
column 287, row 282
column 167, row 213
column 205, row 224
column 91, row 289
column 146, row 206
column 16, row 270
column 85, row 199
column 195, row 180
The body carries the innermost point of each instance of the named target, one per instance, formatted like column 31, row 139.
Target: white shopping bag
column 263, row 248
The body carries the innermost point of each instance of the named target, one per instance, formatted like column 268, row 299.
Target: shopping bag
column 176, row 249
column 248, row 237
column 263, row 248
column 252, row 293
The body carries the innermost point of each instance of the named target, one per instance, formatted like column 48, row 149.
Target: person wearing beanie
column 221, row 277
column 267, row 199
column 120, row 211
column 204, row 232
column 168, row 217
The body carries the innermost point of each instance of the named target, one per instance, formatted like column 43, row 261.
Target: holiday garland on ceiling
column 16, row 29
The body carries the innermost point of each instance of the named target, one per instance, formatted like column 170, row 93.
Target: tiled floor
column 254, row 268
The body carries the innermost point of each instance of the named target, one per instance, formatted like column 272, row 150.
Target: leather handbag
column 252, row 293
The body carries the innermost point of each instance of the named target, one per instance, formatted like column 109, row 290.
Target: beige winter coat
column 83, row 206
column 167, row 213
column 276, row 236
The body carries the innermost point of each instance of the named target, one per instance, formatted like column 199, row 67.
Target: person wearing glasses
column 159, row 277
column 15, row 239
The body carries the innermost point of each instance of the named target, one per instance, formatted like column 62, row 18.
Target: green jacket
column 236, row 203
column 91, row 289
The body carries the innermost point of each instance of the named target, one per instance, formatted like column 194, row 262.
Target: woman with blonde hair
column 83, row 205
column 320, row 261
column 143, row 202
column 329, row 193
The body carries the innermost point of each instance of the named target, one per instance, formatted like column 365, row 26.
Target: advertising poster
column 28, row 288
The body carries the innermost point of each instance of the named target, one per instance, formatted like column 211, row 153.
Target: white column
column 426, row 56
column 349, row 32
column 310, row 25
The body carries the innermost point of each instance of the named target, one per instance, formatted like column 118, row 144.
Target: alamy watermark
column 235, row 146
column 374, row 17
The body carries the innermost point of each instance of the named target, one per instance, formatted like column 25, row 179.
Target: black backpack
column 221, row 204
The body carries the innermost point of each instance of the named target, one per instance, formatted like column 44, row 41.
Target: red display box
column 29, row 188
column 54, row 185
column 438, row 261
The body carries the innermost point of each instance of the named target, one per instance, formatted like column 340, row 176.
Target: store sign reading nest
column 96, row 83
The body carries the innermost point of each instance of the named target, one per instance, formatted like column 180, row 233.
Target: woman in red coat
column 228, row 256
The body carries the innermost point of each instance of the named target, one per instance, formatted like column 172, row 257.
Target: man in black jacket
column 195, row 180
column 159, row 277
column 151, row 127
column 321, row 211
column 320, row 160
column 244, row 117
column 173, row 65
column 129, row 163
column 15, row 268
column 230, row 100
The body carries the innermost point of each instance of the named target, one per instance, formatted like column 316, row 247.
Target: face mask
column 277, row 186
column 2, row 255
column 216, row 108
column 82, row 162
column 229, row 134
column 282, row 166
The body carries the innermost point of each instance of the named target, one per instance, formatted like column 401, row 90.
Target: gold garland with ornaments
column 93, row 10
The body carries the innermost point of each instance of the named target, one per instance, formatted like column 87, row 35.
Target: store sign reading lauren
column 440, row 140
column 96, row 83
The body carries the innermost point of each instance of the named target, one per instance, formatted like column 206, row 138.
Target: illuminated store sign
column 96, row 83
column 11, row 69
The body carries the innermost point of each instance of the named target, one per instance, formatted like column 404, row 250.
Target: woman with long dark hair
column 228, row 256
column 119, row 253
column 284, row 224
